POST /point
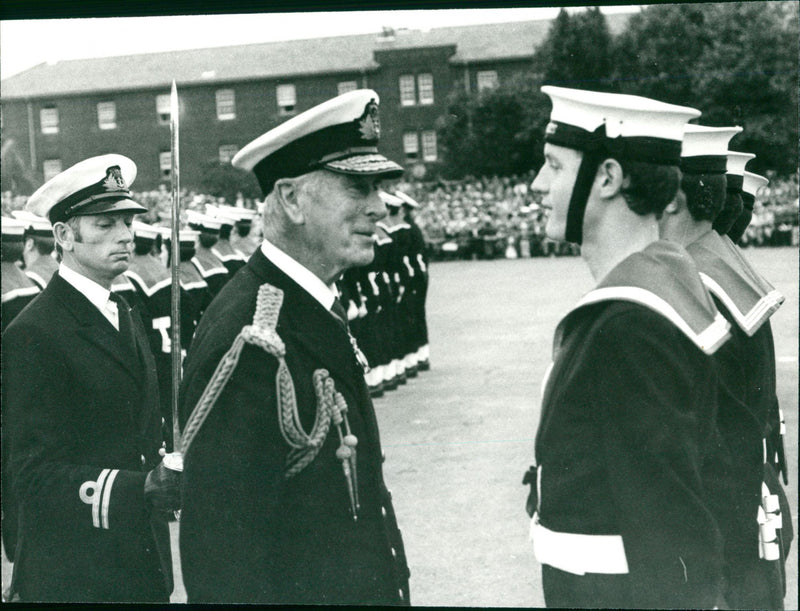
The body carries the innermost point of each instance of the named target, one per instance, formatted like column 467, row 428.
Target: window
column 107, row 115
column 429, row 145
column 226, row 152
column 410, row 145
column 287, row 98
column 226, row 104
column 51, row 168
column 346, row 86
column 48, row 117
column 162, row 108
column 425, row 86
column 408, row 94
column 165, row 163
column 487, row 79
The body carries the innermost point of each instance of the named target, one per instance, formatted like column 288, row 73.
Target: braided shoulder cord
column 262, row 333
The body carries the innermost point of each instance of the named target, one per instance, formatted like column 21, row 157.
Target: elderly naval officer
column 284, row 498
column 80, row 401
column 620, row 512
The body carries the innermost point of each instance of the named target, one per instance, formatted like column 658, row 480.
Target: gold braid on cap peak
column 330, row 404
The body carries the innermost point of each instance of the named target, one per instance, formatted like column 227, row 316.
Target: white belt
column 576, row 553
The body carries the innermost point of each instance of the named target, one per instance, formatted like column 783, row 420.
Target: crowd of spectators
column 491, row 217
column 495, row 217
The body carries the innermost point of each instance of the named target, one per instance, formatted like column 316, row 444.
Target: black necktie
column 338, row 311
column 125, row 321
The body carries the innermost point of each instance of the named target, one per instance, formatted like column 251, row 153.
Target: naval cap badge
column 370, row 123
column 114, row 180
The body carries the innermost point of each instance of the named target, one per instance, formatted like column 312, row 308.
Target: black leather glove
column 162, row 489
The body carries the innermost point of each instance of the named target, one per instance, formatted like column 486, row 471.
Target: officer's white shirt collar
column 95, row 293
column 300, row 274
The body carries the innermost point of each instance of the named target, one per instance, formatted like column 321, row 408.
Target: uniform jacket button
column 383, row 511
column 394, row 553
column 143, row 459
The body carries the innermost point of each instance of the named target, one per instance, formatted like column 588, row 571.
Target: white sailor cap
column 753, row 182
column 202, row 222
column 340, row 135
column 185, row 236
column 737, row 162
column 389, row 199
column 145, row 231
column 407, row 199
column 235, row 213
column 224, row 218
column 705, row 149
column 93, row 186
column 628, row 126
column 13, row 229
column 37, row 225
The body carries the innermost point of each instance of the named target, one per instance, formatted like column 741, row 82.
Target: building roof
column 354, row 53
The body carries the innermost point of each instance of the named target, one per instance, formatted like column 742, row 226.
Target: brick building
column 54, row 115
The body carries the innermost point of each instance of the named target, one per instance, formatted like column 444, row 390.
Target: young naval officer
column 620, row 517
column 284, row 500
column 80, row 400
column 747, row 491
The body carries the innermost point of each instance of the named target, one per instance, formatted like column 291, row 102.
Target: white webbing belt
column 576, row 553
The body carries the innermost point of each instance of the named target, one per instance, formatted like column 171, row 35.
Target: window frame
column 108, row 125
column 163, row 114
column 408, row 90
column 407, row 151
column 226, row 108
column 426, row 139
column 53, row 124
column 286, row 109
column 46, row 162
column 425, row 91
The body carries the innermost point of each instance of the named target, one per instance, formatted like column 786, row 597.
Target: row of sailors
column 385, row 301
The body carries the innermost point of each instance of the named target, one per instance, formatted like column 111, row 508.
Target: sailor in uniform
column 18, row 289
column 39, row 252
column 222, row 250
column 620, row 517
column 241, row 238
column 195, row 295
column 211, row 268
column 284, row 498
column 748, row 413
column 153, row 284
column 80, row 409
column 735, row 163
column 418, row 257
column 751, row 184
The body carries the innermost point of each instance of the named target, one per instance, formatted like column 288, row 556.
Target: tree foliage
column 223, row 180
column 735, row 61
column 495, row 132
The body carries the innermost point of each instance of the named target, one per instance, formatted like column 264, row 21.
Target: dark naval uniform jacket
column 248, row 532
column 749, row 423
column 620, row 511
column 80, row 402
column 231, row 258
column 211, row 268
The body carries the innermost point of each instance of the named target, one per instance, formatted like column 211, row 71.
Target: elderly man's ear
column 286, row 195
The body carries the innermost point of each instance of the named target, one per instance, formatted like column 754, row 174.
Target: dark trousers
column 592, row 590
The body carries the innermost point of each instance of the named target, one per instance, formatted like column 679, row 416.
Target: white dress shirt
column 96, row 294
column 300, row 274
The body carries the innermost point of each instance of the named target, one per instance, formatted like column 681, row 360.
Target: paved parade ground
column 459, row 437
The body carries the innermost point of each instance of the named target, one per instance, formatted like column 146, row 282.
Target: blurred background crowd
column 493, row 217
